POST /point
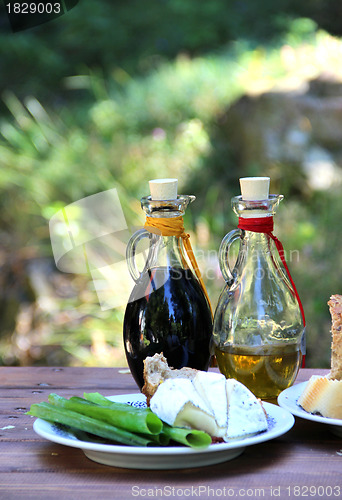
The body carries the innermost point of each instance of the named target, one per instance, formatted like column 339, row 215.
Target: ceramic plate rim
column 284, row 421
column 287, row 399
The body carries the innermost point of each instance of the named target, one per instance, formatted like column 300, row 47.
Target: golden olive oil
column 266, row 371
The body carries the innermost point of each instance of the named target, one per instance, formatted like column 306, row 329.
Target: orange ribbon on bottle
column 174, row 226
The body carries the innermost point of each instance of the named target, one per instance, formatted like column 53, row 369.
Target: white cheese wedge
column 177, row 403
column 246, row 416
column 212, row 389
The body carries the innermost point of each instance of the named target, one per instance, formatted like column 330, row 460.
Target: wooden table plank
column 31, row 467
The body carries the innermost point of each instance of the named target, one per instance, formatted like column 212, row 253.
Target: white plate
column 170, row 457
column 288, row 400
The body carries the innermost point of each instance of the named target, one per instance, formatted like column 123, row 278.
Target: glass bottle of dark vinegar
column 167, row 311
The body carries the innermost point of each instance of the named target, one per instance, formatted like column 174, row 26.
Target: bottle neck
column 259, row 225
column 166, row 241
column 172, row 240
column 255, row 238
column 256, row 232
column 166, row 252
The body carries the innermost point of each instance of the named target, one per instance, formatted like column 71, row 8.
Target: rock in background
column 299, row 130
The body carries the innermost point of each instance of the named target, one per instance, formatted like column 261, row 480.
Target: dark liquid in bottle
column 167, row 312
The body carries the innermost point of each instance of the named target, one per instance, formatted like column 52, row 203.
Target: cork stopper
column 255, row 188
column 163, row 189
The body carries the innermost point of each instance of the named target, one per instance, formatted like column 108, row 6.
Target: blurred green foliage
column 112, row 96
column 134, row 37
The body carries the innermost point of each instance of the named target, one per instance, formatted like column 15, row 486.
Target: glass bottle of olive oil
column 259, row 323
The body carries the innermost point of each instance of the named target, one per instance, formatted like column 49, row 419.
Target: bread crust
column 156, row 370
column 335, row 307
column 324, row 394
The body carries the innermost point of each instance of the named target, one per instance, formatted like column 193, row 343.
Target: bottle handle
column 226, row 243
column 131, row 252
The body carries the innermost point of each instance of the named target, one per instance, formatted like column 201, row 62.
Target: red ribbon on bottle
column 265, row 225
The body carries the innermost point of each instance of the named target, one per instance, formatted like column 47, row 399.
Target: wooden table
column 309, row 455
